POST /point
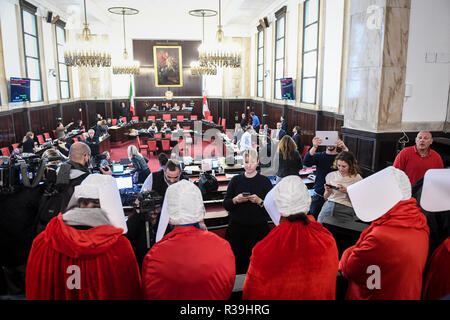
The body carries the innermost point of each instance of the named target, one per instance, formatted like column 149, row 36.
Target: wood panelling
column 43, row 119
column 7, row 135
column 272, row 114
column 145, row 82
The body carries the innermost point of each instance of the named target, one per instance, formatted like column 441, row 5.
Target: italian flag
column 131, row 99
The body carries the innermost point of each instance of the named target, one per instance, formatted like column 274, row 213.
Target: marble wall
column 376, row 64
column 236, row 81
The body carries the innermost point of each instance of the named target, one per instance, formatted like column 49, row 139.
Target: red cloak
column 396, row 243
column 72, row 264
column 189, row 264
column 294, row 261
column 437, row 279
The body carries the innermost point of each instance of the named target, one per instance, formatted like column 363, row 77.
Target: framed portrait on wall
column 168, row 66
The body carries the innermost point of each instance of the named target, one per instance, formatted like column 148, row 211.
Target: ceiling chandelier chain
column 86, row 53
column 125, row 66
column 220, row 55
column 197, row 68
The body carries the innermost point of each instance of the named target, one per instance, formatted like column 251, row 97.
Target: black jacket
column 296, row 138
column 291, row 166
column 93, row 143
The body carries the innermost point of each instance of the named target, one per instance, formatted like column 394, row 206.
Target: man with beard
column 324, row 165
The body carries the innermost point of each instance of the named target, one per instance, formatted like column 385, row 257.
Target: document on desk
column 230, row 175
column 190, row 169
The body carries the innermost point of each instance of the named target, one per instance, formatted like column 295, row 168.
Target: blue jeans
column 317, row 202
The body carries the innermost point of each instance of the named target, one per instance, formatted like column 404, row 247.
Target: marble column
column 376, row 71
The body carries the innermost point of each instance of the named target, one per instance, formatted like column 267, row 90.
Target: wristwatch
column 261, row 204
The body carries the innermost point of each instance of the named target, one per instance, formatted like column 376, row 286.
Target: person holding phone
column 248, row 218
column 337, row 202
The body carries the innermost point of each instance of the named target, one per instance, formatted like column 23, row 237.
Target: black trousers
column 242, row 239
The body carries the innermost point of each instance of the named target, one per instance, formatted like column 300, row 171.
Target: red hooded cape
column 294, row 261
column 397, row 243
column 189, row 264
column 437, row 280
column 71, row 264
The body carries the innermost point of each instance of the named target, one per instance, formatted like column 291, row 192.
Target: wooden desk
column 173, row 114
column 105, row 144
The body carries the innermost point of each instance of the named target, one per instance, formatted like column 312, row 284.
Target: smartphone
column 246, row 194
column 331, row 186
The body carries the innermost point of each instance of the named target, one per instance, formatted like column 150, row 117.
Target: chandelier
column 85, row 52
column 125, row 65
column 220, row 54
column 198, row 68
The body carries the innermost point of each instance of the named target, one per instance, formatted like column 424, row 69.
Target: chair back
column 15, row 145
column 124, row 119
column 152, row 145
column 135, row 119
column 152, row 118
column 193, row 117
column 166, row 117
column 180, row 118
column 5, row 152
column 114, row 122
column 305, row 150
column 165, row 143
column 157, row 135
column 41, row 139
column 46, row 135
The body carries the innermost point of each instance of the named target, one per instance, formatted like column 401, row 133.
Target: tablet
column 329, row 138
column 124, row 182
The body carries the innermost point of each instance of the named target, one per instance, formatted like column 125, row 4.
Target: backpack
column 55, row 200
column 208, row 183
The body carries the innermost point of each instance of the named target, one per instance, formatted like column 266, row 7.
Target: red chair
column 220, row 121
column 54, row 134
column 47, row 136
column 75, row 139
column 41, row 139
column 193, row 117
column 152, row 147
column 207, row 114
column 305, row 150
column 5, row 152
column 141, row 146
column 186, row 128
column 223, row 124
column 166, row 117
column 165, row 143
column 152, row 118
column 135, row 119
column 168, row 136
column 180, row 118
column 114, row 122
column 157, row 135
column 15, row 145
column 210, row 119
column 124, row 119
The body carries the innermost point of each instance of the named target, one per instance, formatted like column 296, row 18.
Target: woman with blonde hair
column 247, row 216
column 27, row 143
column 141, row 169
column 290, row 160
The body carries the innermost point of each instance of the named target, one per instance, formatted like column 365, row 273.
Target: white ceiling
column 157, row 13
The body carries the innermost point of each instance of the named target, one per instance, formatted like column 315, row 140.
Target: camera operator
column 18, row 221
column 70, row 174
column 143, row 223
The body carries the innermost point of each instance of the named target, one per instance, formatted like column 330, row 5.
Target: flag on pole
column 131, row 99
column 205, row 105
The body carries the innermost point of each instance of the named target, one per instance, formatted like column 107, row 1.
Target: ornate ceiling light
column 220, row 54
column 85, row 51
column 125, row 65
column 198, row 68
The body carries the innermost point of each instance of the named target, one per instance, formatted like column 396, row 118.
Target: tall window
column 310, row 51
column 260, row 63
column 31, row 45
column 279, row 50
column 64, row 90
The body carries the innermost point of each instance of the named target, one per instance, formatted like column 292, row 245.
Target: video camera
column 149, row 201
column 27, row 170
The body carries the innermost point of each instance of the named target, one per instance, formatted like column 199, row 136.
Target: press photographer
column 143, row 223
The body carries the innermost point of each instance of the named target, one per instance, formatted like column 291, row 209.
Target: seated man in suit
column 278, row 132
column 208, row 273
column 176, row 107
column 154, row 107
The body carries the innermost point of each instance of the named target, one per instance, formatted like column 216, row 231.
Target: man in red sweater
column 416, row 160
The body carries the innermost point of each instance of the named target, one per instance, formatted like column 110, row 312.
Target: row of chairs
column 151, row 146
column 165, row 117
column 40, row 137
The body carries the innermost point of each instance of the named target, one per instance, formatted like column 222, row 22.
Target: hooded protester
column 388, row 260
column 189, row 263
column 435, row 199
column 83, row 254
column 298, row 259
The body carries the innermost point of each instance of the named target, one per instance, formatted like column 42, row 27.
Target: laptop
column 124, row 182
column 117, row 168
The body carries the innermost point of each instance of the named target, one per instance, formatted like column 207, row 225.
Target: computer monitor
column 20, row 89
column 124, row 182
column 287, row 88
